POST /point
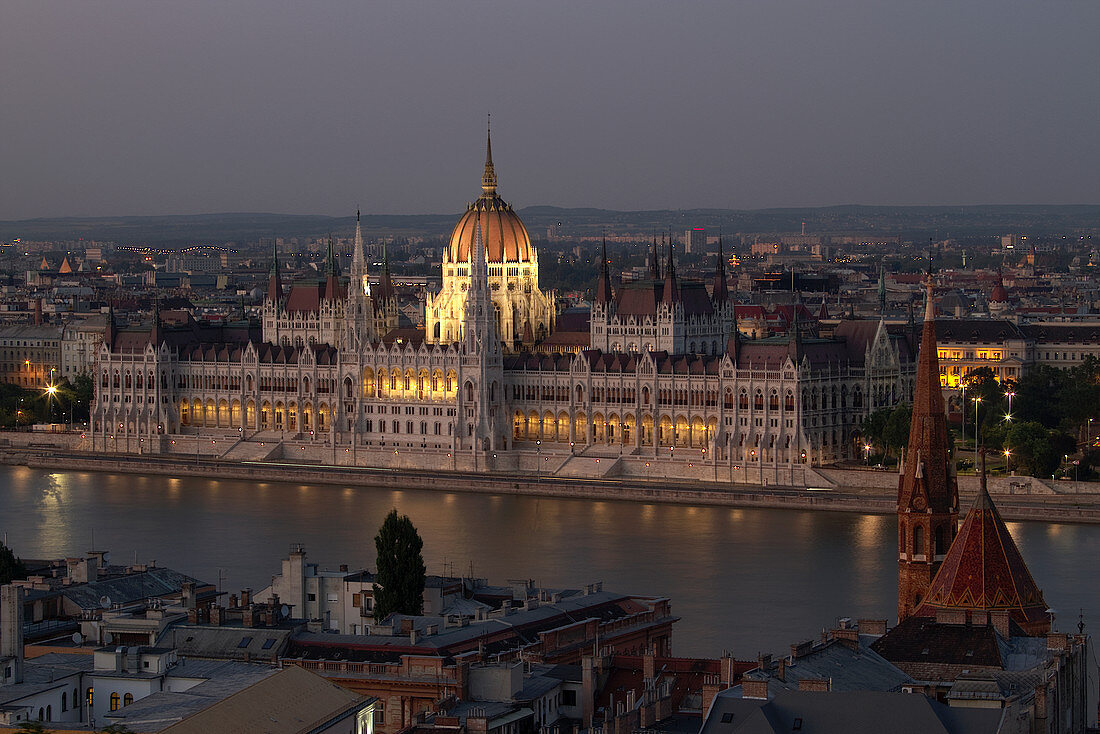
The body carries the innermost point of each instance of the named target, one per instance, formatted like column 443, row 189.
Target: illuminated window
column 114, row 700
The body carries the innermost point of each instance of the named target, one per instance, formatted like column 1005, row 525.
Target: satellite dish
column 77, row 638
column 107, row 557
column 284, row 611
column 108, row 638
column 104, row 602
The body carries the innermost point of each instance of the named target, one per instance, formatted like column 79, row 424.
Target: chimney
column 232, row 601
column 477, row 724
column 752, row 688
column 710, row 691
column 217, row 615
column 11, row 631
column 727, row 670
column 649, row 665
column 1000, row 621
column 246, row 596
column 802, row 649
column 187, row 594
column 343, row 568
column 781, row 671
column 764, row 661
column 872, row 626
column 588, row 690
column 814, row 684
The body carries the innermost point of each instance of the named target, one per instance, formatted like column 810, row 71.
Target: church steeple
column 275, row 278
column 671, row 293
column 489, row 178
column 928, row 490
column 358, row 262
column 332, row 274
column 721, row 289
column 603, row 285
column 655, row 261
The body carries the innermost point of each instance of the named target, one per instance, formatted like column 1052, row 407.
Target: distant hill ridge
column 941, row 221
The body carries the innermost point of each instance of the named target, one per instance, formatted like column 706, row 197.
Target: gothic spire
column 489, row 178
column 358, row 264
column 671, row 292
column 721, row 289
column 603, row 285
column 275, row 278
column 928, row 490
column 332, row 274
column 655, row 261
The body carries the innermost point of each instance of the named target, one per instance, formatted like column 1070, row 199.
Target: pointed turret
column 489, row 177
column 603, row 285
column 358, row 262
column 823, row 312
column 110, row 329
column 671, row 293
column 720, row 293
column 794, row 336
column 928, row 491
column 155, row 335
column 655, row 261
column 332, row 274
column 985, row 572
column 882, row 291
column 275, row 278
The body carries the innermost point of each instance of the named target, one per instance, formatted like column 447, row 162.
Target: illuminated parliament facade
column 668, row 388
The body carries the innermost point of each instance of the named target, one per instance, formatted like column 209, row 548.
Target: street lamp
column 1008, row 456
column 963, row 411
column 867, row 454
column 538, row 460
column 1008, row 416
column 977, row 402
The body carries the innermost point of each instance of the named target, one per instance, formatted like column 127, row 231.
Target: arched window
column 918, row 540
column 127, row 699
column 49, row 713
column 773, row 401
column 788, row 402
column 758, row 401
column 743, row 401
column 114, row 700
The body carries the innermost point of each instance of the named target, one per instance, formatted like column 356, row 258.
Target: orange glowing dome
column 505, row 237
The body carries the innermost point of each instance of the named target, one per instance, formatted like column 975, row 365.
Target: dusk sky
column 143, row 107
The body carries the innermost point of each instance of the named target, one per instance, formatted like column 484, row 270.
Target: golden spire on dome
column 489, row 178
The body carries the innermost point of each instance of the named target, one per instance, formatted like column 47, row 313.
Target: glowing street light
column 1009, row 394
column 1008, row 456
column 977, row 402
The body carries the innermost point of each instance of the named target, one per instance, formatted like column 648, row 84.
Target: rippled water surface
column 743, row 580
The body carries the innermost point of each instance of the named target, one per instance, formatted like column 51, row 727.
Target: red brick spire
column 928, row 491
column 984, row 571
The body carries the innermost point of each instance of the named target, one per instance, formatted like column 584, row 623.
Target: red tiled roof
column 983, row 570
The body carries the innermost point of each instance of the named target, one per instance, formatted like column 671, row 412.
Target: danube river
column 743, row 580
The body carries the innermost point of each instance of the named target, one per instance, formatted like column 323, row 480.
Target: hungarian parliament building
column 667, row 388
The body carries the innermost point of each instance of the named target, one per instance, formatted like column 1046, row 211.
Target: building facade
column 668, row 387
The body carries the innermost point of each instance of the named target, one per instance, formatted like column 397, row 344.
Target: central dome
column 505, row 237
column 502, row 231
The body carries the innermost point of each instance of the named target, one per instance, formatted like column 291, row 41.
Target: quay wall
column 1018, row 498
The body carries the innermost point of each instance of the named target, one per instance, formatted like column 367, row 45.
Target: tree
column 32, row 727
column 895, row 434
column 873, row 427
column 116, row 729
column 401, row 572
column 10, row 566
column 1032, row 449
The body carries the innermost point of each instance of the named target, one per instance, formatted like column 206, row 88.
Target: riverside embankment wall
column 841, row 490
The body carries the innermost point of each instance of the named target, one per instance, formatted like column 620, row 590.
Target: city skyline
column 133, row 109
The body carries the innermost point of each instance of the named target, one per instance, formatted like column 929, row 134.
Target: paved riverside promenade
column 843, row 490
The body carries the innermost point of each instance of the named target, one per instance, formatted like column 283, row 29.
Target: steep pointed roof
column 655, row 262
column 332, row 274
column 603, row 285
column 928, row 480
column 984, row 571
column 720, row 293
column 275, row 279
column 671, row 293
column 489, row 177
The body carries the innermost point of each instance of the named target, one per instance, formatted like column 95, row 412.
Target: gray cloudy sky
column 158, row 107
